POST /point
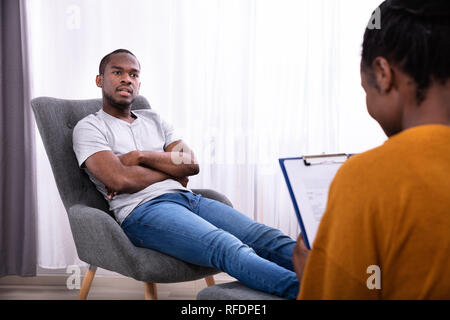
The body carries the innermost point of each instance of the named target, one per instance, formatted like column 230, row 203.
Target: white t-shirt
column 148, row 132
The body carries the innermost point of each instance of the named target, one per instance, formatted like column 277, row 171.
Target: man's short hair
column 105, row 60
column 414, row 36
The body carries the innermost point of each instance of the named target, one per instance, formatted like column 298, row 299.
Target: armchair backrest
column 56, row 119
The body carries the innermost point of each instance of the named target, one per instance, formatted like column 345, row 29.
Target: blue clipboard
column 326, row 164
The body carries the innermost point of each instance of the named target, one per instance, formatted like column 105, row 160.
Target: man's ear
column 383, row 75
column 99, row 81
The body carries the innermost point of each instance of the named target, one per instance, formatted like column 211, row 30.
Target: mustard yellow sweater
column 388, row 207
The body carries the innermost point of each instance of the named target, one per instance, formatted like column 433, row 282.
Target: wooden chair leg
column 210, row 281
column 151, row 292
column 87, row 281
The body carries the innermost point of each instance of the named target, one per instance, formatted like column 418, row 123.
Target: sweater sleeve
column 345, row 244
column 325, row 279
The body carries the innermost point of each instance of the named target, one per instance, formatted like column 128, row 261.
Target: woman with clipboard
column 385, row 233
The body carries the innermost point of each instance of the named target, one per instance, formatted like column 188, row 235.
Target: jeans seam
column 271, row 252
column 176, row 231
column 261, row 280
column 184, row 235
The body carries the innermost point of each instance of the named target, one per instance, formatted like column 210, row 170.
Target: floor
column 54, row 287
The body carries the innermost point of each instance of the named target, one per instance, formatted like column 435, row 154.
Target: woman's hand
column 299, row 257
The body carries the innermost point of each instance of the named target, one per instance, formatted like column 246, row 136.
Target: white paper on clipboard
column 308, row 180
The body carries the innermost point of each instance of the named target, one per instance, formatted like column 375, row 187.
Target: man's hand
column 128, row 159
column 177, row 160
column 131, row 158
column 120, row 178
column 110, row 194
column 299, row 257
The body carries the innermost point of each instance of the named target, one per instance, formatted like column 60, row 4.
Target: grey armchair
column 99, row 239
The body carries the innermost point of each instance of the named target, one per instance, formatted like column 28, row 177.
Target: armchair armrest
column 99, row 239
column 214, row 195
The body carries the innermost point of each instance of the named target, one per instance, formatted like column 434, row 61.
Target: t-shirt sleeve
column 170, row 135
column 88, row 139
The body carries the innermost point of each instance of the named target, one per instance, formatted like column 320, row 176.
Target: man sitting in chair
column 141, row 167
column 386, row 231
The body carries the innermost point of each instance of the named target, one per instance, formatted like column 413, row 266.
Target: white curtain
column 244, row 81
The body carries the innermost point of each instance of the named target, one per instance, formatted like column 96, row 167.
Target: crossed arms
column 137, row 170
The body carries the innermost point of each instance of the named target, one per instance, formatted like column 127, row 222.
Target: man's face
column 120, row 82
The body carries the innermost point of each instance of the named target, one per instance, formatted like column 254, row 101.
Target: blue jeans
column 209, row 233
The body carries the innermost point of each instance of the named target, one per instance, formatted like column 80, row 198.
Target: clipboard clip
column 307, row 159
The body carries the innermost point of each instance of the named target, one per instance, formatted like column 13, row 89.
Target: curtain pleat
column 17, row 169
